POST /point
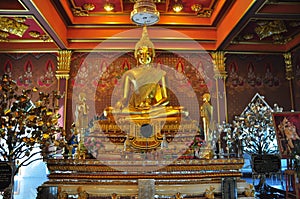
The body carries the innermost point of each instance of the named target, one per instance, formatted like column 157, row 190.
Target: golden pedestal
column 128, row 156
column 190, row 177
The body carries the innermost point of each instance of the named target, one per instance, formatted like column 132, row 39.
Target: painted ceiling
column 217, row 25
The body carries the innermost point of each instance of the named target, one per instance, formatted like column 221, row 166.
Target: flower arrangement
column 197, row 143
column 94, row 145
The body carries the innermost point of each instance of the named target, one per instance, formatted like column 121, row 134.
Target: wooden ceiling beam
column 256, row 48
column 129, row 46
column 217, row 10
column 121, row 5
column 294, row 43
column 154, row 33
column 167, row 5
column 190, row 20
column 66, row 8
column 232, row 18
column 49, row 19
column 276, row 9
column 28, row 47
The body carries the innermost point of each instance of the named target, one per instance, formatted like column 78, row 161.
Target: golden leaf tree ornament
column 29, row 130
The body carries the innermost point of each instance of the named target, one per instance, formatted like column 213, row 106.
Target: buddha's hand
column 163, row 102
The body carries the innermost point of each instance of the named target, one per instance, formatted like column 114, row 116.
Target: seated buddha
column 142, row 108
column 145, row 92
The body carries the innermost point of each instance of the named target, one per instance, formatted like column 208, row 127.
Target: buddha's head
column 82, row 97
column 206, row 97
column 144, row 49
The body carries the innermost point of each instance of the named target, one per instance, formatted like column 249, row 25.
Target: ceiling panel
column 13, row 5
column 275, row 22
column 226, row 25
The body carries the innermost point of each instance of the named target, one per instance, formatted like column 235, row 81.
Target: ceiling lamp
column 177, row 7
column 144, row 13
column 88, row 6
column 108, row 7
column 196, row 7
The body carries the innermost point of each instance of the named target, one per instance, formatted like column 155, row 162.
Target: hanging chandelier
column 144, row 13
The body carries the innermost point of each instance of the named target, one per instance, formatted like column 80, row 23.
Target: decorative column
column 62, row 75
column 289, row 75
column 220, row 77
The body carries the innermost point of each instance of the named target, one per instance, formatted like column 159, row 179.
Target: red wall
column 239, row 91
column 31, row 70
column 296, row 80
column 263, row 74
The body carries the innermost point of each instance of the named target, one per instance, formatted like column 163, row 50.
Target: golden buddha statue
column 81, row 113
column 148, row 98
column 147, row 92
column 143, row 108
column 207, row 116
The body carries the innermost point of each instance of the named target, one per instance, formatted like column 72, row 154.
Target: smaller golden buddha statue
column 178, row 195
column 249, row 191
column 61, row 194
column 114, row 196
column 82, row 194
column 207, row 116
column 81, row 123
column 81, row 113
column 209, row 192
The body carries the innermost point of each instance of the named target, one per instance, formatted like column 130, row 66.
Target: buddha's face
column 144, row 55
